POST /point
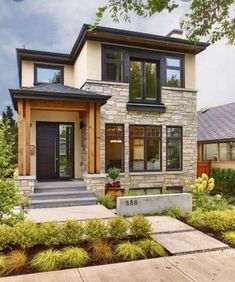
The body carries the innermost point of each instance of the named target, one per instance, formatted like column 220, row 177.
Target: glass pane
column 114, row 153
column 113, row 130
column 227, row 151
column 173, row 62
column 173, row 132
column 153, row 155
column 153, row 131
column 173, row 78
column 45, row 75
column 153, row 191
column 135, row 81
column 173, row 158
column 151, row 81
column 114, row 71
column 136, row 154
column 136, row 131
column 114, row 55
column 210, row 152
column 174, row 190
column 66, row 150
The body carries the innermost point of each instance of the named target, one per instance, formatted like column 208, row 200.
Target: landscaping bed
column 28, row 247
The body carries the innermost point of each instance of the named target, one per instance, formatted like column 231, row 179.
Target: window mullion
column 143, row 84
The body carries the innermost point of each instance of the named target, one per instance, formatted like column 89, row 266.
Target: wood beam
column 98, row 137
column 20, row 105
column 59, row 105
column 28, row 135
column 91, row 139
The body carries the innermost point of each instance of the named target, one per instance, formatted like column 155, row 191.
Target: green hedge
column 224, row 181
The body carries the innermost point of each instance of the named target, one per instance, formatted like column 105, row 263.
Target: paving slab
column 157, row 270
column 186, row 242
column 167, row 224
column 218, row 266
column 70, row 275
column 64, row 213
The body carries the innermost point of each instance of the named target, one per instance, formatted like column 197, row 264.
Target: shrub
column 71, row 232
column 5, row 236
column 114, row 173
column 95, row 230
column 16, row 261
column 102, row 252
column 224, row 181
column 209, row 203
column 48, row 260
column 202, row 185
column 175, row 212
column 26, row 234
column 229, row 237
column 118, row 228
column 3, row 260
column 196, row 218
column 50, row 233
column 108, row 201
column 129, row 251
column 74, row 257
column 221, row 220
column 140, row 226
column 151, row 248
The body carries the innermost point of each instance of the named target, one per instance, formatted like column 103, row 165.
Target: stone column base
column 26, row 184
column 95, row 183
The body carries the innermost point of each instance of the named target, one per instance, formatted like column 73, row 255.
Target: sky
column 53, row 25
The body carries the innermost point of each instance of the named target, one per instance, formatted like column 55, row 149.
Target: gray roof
column 216, row 123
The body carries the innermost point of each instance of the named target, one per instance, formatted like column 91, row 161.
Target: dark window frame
column 181, row 68
column 144, row 99
column 123, row 144
column 178, row 187
column 181, row 151
column 145, row 138
column 46, row 66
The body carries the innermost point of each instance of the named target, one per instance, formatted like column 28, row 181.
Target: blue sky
column 53, row 25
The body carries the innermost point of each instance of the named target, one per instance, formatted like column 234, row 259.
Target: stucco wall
column 180, row 110
column 50, row 116
column 190, row 71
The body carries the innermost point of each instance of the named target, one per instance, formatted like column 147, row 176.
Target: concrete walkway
column 64, row 213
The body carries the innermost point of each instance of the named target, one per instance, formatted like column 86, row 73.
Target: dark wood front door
column 55, row 150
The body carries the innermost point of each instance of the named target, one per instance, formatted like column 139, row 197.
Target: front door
column 55, row 150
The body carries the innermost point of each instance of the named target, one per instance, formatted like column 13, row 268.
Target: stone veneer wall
column 180, row 111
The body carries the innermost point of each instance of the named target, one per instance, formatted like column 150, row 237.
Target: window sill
column 161, row 108
column 175, row 172
column 146, row 173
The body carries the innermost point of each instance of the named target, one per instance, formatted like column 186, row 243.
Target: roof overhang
column 56, row 96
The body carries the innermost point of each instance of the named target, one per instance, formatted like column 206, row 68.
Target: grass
column 129, row 251
column 151, row 248
column 74, row 257
column 102, row 252
column 16, row 261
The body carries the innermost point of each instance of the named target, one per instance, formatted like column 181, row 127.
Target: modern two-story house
column 118, row 99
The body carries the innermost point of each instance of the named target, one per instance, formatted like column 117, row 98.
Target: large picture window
column 48, row 74
column 145, row 148
column 219, row 151
column 144, row 80
column 174, row 148
column 113, row 65
column 114, row 146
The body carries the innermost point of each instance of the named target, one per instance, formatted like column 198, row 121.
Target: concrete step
column 61, row 195
column 59, row 189
column 53, row 203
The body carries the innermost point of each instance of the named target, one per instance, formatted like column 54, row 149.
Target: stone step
column 60, row 184
column 53, row 203
column 61, row 195
column 59, row 189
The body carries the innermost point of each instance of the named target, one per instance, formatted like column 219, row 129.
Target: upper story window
column 48, row 74
column 144, row 80
column 174, row 72
column 113, row 65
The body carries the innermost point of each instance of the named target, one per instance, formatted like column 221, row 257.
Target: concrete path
column 64, row 213
column 202, row 267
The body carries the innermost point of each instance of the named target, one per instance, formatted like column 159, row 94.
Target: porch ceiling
column 56, row 92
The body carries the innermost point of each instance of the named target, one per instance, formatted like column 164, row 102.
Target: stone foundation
column 26, row 184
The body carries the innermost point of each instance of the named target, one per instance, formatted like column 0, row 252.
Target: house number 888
column 131, row 203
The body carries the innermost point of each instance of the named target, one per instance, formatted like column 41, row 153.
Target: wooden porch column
column 98, row 138
column 91, row 139
column 20, row 105
column 28, row 137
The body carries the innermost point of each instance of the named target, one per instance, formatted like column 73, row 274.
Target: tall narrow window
column 145, row 148
column 143, row 81
column 113, row 65
column 173, row 72
column 174, row 148
column 114, row 146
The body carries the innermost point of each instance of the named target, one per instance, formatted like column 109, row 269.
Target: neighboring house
column 118, row 99
column 216, row 136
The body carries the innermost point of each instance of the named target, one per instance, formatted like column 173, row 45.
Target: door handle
column 56, row 159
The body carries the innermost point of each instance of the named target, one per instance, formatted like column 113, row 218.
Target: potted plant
column 114, row 188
